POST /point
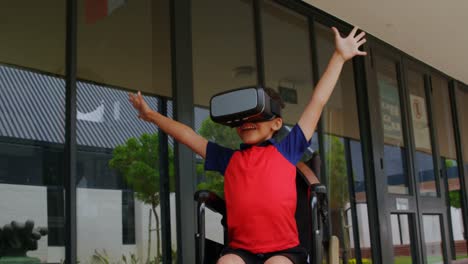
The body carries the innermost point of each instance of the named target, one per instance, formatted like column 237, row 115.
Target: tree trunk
column 148, row 258
column 158, row 239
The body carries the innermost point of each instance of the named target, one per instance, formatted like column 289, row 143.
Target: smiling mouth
column 248, row 126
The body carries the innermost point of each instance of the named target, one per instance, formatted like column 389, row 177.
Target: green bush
column 364, row 261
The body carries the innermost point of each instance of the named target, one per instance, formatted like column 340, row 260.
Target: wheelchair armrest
column 320, row 192
column 211, row 200
column 319, row 188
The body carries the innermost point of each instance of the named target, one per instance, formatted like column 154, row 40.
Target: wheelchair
column 311, row 218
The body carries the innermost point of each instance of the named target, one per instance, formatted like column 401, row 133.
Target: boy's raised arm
column 180, row 132
column 345, row 49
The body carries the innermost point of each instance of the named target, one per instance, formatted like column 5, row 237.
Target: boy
column 262, row 230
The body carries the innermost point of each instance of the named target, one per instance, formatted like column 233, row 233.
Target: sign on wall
column 390, row 112
column 422, row 138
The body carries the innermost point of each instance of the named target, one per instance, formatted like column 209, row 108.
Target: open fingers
column 134, row 99
column 131, row 98
column 353, row 32
column 360, row 36
column 362, row 41
column 361, row 53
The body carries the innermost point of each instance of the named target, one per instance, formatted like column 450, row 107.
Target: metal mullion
column 433, row 135
column 444, row 223
column 408, row 134
column 407, row 126
column 298, row 7
column 352, row 194
column 444, row 216
column 257, row 22
column 184, row 158
column 400, row 234
column 447, row 204
column 460, row 158
column 164, row 188
column 70, row 132
column 415, row 238
column 376, row 186
column 364, row 125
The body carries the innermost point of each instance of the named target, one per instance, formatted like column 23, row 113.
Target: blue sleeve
column 293, row 145
column 217, row 157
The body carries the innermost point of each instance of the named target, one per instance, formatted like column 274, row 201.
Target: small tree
column 336, row 172
column 138, row 161
column 224, row 136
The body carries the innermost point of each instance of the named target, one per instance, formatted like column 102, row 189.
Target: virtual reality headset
column 250, row 104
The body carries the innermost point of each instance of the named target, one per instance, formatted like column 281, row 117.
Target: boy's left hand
column 349, row 47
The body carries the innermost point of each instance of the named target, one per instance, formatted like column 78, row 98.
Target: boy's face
column 255, row 133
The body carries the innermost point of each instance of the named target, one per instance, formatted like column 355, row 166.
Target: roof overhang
column 432, row 31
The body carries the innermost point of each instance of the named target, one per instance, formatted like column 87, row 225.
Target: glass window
column 125, row 46
column 446, row 142
column 421, row 135
column 288, row 67
column 33, row 35
column 32, row 127
column 118, row 156
column 402, row 238
column 344, row 159
column 287, row 57
column 128, row 218
column 223, row 47
column 394, row 159
column 461, row 95
column 223, row 51
column 443, row 117
column 360, row 200
column 433, row 239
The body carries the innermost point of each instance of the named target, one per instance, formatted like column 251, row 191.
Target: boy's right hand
column 140, row 105
column 348, row 47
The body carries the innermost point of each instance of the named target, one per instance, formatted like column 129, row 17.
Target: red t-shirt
column 260, row 191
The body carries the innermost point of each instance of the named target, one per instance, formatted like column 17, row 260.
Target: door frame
column 412, row 204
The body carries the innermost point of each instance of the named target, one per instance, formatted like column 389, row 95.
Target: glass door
column 401, row 202
column 407, row 171
column 429, row 181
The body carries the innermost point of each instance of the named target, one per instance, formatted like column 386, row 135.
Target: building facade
column 393, row 138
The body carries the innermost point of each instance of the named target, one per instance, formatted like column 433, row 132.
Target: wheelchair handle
column 201, row 232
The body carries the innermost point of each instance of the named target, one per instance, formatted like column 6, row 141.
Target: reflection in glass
column 32, row 126
column 32, row 39
column 395, row 167
column 286, row 49
column 433, row 239
column 446, row 143
column 421, row 135
column 223, row 47
column 118, row 177
column 31, row 156
column 128, row 46
column 224, row 58
column 458, row 242
column 118, row 174
column 339, row 198
column 344, row 161
column 461, row 95
column 360, row 200
column 401, row 234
